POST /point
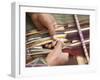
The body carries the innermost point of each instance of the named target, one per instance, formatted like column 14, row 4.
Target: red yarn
column 76, row 51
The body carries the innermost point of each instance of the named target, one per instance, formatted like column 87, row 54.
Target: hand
column 44, row 22
column 56, row 56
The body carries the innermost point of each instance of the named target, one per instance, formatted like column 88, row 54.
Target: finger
column 46, row 45
column 47, row 21
column 58, row 48
column 51, row 30
column 59, row 43
column 65, row 55
column 37, row 23
column 55, row 26
column 54, row 43
column 39, row 26
column 50, row 46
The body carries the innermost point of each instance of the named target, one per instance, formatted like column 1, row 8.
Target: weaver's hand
column 44, row 22
column 56, row 56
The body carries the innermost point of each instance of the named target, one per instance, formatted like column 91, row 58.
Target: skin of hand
column 50, row 45
column 44, row 22
column 56, row 56
column 53, row 43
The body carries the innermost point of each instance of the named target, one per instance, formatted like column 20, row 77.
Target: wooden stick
column 39, row 53
column 41, row 43
column 60, row 27
column 47, row 38
column 81, row 60
column 78, row 43
column 81, row 37
column 82, row 23
column 63, row 35
column 38, row 43
column 47, row 51
column 73, row 31
column 75, row 36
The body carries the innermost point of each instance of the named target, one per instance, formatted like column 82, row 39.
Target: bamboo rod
column 78, row 43
column 47, row 38
column 80, row 60
column 38, row 44
column 67, row 32
column 60, row 27
column 82, row 23
column 41, row 43
column 39, row 53
column 70, row 45
column 73, row 31
column 81, row 37
column 39, row 50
